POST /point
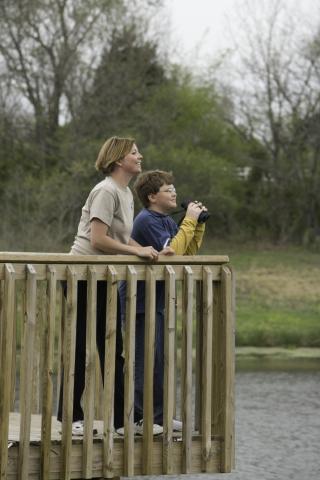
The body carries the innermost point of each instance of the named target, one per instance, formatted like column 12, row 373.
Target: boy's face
column 165, row 200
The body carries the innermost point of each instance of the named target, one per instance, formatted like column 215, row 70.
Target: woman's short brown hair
column 114, row 149
column 150, row 182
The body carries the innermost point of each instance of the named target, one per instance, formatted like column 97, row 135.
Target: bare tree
column 47, row 45
column 276, row 103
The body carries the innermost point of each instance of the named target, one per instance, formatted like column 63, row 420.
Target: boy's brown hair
column 150, row 182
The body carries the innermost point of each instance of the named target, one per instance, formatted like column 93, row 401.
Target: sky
column 202, row 28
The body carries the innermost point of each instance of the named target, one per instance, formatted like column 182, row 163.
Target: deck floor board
column 35, row 431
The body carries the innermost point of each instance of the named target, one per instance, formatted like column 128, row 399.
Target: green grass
column 278, row 294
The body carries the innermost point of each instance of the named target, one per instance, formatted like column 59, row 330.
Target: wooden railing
column 37, row 331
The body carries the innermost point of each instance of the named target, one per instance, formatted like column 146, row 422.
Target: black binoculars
column 203, row 217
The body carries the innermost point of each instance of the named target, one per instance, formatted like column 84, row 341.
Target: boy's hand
column 167, row 251
column 194, row 209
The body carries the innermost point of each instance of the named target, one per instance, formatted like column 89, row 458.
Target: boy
column 153, row 226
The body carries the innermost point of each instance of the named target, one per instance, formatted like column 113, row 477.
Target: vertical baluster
column 177, row 363
column 26, row 382
column 169, row 359
column 6, row 346
column 89, row 372
column 217, row 362
column 233, row 343
column 37, row 350
column 186, row 389
column 48, row 372
column 109, row 371
column 1, row 312
column 148, row 370
column 228, row 373
column 69, row 345
column 22, row 327
column 131, row 296
column 199, row 340
column 207, row 367
column 60, row 323
column 14, row 353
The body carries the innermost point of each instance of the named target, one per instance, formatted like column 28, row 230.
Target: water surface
column 277, row 427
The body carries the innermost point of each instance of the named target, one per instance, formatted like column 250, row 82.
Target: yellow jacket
column 189, row 237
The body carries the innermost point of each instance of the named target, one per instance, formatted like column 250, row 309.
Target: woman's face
column 131, row 163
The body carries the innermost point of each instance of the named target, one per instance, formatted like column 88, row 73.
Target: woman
column 105, row 228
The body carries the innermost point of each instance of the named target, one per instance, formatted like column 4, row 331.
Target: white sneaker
column 78, row 429
column 138, row 429
column 176, row 425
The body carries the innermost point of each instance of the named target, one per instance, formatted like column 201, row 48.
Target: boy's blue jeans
column 158, row 368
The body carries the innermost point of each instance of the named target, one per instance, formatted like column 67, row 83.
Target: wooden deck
column 97, row 457
column 37, row 337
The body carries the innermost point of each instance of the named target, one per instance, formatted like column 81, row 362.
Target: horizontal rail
column 61, row 270
column 31, row 257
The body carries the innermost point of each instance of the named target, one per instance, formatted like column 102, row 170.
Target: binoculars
column 203, row 217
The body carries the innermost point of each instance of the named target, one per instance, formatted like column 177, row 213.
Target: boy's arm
column 149, row 231
column 196, row 241
column 181, row 242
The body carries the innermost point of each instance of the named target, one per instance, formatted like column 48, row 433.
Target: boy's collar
column 155, row 212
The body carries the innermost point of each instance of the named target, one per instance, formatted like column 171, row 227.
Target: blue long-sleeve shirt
column 156, row 229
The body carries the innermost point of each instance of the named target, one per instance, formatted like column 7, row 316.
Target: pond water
column 277, row 426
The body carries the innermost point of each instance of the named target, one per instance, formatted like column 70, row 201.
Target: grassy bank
column 277, row 358
column 278, row 294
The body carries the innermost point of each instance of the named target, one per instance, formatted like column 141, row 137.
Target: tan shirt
column 113, row 205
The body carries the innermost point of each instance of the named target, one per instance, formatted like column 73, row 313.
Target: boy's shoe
column 176, row 425
column 138, row 429
column 78, row 429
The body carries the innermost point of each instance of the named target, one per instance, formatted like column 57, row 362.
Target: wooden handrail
column 48, row 258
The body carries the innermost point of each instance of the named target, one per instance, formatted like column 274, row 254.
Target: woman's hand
column 147, row 252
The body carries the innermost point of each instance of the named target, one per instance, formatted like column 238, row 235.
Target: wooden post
column 131, row 296
column 187, row 369
column 14, row 354
column 27, row 372
column 149, row 326
column 1, row 314
column 47, row 373
column 233, row 342
column 37, row 347
column 169, row 356
column 69, row 346
column 88, row 394
column 198, row 368
column 6, row 364
column 207, row 368
column 217, row 362
column 109, row 371
column 60, row 332
column 228, row 377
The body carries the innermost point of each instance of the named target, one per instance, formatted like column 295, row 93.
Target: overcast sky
column 202, row 28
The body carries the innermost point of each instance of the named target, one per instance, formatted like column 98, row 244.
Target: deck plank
column 35, row 432
column 76, row 452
